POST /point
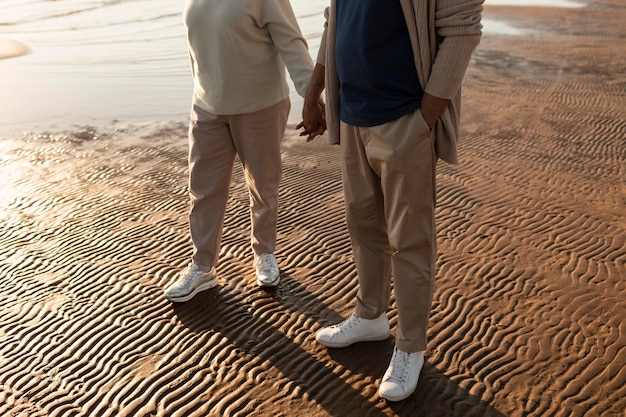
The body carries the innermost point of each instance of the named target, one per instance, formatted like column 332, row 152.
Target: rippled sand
column 528, row 318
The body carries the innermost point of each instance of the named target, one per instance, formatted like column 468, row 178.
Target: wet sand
column 528, row 316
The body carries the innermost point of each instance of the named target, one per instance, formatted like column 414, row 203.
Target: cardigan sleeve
column 458, row 26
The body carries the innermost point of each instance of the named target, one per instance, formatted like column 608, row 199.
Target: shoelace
column 349, row 323
column 400, row 366
column 265, row 262
column 189, row 276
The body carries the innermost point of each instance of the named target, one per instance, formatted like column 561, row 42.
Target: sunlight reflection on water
column 114, row 61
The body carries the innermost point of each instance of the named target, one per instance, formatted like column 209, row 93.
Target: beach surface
column 529, row 312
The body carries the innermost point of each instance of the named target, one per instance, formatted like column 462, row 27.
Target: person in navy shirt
column 392, row 71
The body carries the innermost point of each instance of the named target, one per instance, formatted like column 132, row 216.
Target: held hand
column 314, row 122
column 314, row 109
column 311, row 134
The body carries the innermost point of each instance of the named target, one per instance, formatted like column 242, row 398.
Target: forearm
column 316, row 85
column 313, row 110
column 448, row 69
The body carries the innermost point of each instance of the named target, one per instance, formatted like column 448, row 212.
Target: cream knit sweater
column 238, row 51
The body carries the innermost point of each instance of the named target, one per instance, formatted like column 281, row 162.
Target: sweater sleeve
column 458, row 25
column 280, row 20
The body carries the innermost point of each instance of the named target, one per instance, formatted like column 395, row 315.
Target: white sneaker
column 354, row 329
column 400, row 379
column 192, row 280
column 267, row 272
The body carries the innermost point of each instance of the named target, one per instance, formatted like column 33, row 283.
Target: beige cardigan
column 444, row 33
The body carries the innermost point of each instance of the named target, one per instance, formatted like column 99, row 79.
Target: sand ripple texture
column 528, row 317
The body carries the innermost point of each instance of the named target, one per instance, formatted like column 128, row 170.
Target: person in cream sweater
column 240, row 53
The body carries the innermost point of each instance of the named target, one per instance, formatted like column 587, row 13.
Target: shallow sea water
column 107, row 63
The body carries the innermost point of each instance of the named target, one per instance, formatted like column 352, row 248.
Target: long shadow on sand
column 436, row 394
column 222, row 310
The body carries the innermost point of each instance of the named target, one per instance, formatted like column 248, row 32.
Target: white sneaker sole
column 331, row 344
column 399, row 398
column 187, row 297
column 268, row 284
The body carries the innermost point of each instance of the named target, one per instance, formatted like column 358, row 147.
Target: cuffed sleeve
column 458, row 24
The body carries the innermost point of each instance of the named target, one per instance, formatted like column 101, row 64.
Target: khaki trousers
column 389, row 183
column 214, row 142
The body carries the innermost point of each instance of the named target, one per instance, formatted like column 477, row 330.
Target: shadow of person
column 267, row 326
column 436, row 394
column 296, row 298
column 255, row 336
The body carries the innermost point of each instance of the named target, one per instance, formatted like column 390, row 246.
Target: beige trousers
column 389, row 184
column 214, row 142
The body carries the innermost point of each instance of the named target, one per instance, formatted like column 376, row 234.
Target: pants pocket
column 422, row 126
